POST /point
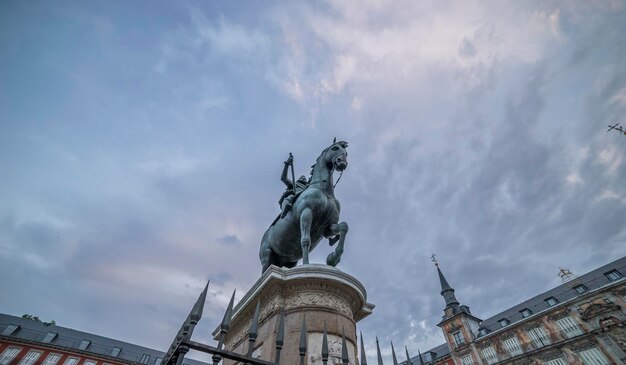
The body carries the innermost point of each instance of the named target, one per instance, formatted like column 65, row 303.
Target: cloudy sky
column 141, row 145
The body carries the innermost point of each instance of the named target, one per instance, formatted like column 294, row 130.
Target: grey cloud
column 468, row 163
column 229, row 240
column 467, row 48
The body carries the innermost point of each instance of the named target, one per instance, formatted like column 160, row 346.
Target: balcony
column 527, row 348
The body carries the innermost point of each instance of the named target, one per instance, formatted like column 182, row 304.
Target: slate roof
column 70, row 339
column 435, row 353
column 439, row 352
column 594, row 279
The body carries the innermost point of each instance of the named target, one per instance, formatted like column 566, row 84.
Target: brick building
column 28, row 342
column 581, row 322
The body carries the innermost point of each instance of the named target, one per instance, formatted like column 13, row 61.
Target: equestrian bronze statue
column 310, row 212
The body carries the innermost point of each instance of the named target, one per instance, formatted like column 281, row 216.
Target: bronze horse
column 315, row 214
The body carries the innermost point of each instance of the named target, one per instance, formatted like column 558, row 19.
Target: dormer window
column 50, row 336
column 10, row 329
column 526, row 312
column 580, row 289
column 483, row 332
column 84, row 344
column 613, row 275
column 504, row 322
column 116, row 351
column 552, row 301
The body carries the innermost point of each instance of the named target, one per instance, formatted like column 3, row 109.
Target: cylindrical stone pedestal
column 319, row 293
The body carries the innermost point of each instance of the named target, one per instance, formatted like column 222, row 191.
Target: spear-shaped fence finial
column 254, row 325
column 393, row 355
column 408, row 358
column 344, row 348
column 363, row 359
column 224, row 327
column 176, row 352
column 325, row 346
column 419, row 357
column 303, row 340
column 280, row 337
column 380, row 358
column 196, row 311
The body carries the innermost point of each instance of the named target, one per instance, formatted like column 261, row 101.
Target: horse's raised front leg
column 306, row 217
column 340, row 230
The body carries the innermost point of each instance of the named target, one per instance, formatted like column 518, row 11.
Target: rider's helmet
column 303, row 180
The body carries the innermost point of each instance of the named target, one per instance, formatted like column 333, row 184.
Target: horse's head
column 336, row 155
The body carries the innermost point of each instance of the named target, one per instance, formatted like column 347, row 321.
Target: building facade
column 28, row 342
column 581, row 322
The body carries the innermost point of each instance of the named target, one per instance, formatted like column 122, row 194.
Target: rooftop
column 592, row 280
column 34, row 331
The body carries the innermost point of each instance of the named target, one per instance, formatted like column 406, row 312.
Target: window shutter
column 557, row 361
column 30, row 358
column 8, row 355
column 512, row 345
column 593, row 356
column 569, row 327
column 489, row 354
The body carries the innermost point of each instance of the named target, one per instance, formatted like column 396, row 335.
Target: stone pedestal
column 319, row 293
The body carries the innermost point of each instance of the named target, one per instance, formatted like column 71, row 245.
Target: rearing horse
column 315, row 214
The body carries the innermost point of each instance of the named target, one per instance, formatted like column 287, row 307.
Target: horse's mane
column 343, row 144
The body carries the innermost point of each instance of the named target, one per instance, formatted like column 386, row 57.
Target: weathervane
column 618, row 129
column 434, row 259
column 565, row 274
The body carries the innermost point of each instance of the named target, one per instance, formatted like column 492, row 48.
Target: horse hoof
column 332, row 259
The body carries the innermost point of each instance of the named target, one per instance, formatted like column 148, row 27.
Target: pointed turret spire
column 446, row 291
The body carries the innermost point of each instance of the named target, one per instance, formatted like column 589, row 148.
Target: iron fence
column 183, row 343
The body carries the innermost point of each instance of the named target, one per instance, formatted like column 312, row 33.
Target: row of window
column 51, row 336
column 10, row 353
column 592, row 356
column 539, row 337
column 568, row 326
column 83, row 345
column 612, row 275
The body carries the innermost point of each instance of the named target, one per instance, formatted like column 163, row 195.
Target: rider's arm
column 284, row 178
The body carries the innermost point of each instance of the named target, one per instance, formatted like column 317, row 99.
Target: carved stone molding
column 319, row 294
column 562, row 313
column 485, row 343
column 582, row 345
column 532, row 325
column 597, row 309
column 315, row 300
column 609, row 322
column 453, row 327
column 550, row 355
